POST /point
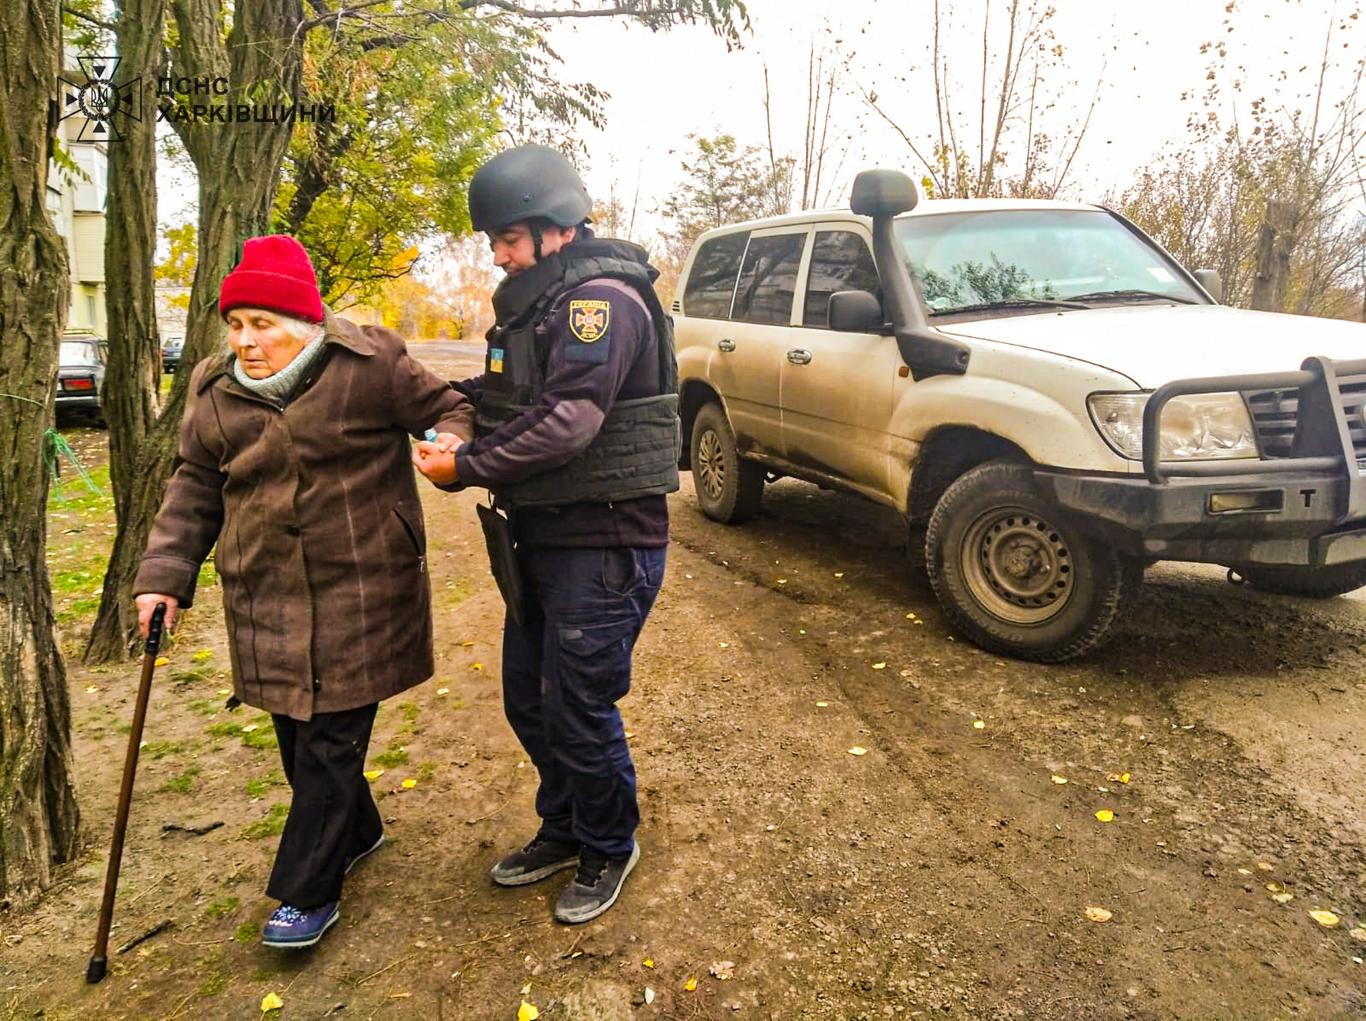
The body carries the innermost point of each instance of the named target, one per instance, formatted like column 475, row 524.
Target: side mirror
column 856, row 312
column 883, row 193
column 1210, row 280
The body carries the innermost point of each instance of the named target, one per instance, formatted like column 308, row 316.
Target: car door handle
column 799, row 357
column 725, row 344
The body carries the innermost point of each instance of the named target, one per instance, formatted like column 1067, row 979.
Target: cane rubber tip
column 96, row 969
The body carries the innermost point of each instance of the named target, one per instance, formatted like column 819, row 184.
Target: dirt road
column 944, row 872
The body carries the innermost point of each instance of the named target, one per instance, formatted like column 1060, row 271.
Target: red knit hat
column 275, row 274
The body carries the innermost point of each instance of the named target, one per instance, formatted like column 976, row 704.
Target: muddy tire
column 1309, row 582
column 729, row 488
column 1018, row 577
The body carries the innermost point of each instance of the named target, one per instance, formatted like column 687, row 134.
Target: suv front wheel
column 1015, row 576
column 729, row 488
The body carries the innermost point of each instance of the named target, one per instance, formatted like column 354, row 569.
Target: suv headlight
column 1194, row 428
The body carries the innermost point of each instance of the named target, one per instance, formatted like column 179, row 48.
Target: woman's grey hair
column 300, row 330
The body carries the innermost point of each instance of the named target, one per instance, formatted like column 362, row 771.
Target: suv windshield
column 1024, row 259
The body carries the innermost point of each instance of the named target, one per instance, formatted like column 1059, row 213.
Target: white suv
column 997, row 371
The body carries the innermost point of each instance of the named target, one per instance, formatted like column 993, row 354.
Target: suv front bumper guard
column 1303, row 502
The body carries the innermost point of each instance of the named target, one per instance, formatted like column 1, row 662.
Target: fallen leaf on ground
column 910, row 616
column 1284, row 897
column 857, row 750
column 271, row 1001
column 723, row 970
column 201, row 655
column 1264, row 867
column 409, row 784
column 822, row 705
column 443, row 691
column 527, row 1012
column 1105, row 815
column 725, row 645
column 1117, row 777
column 160, row 661
column 839, row 574
column 649, row 962
column 1094, row 914
column 249, row 728
column 782, row 581
column 467, row 645
column 879, row 666
column 373, row 774
column 526, row 989
column 690, row 985
column 224, row 691
column 979, row 724
column 1059, row 780
column 91, row 689
column 1358, row 934
column 1274, row 888
column 649, row 996
column 476, row 666
column 1325, row 918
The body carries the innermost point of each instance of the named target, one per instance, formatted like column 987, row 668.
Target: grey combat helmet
column 524, row 183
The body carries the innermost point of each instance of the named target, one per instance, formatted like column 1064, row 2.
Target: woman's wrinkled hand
column 147, row 602
column 436, row 460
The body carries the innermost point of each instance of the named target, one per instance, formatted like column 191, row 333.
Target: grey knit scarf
column 279, row 387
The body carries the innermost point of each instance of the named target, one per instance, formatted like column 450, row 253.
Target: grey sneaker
column 531, row 864
column 595, row 887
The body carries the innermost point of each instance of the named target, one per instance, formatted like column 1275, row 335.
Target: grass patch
column 208, row 574
column 272, row 825
column 426, row 772
column 213, row 985
column 205, row 706
column 247, row 932
column 182, row 783
column 410, row 712
column 394, row 755
column 260, row 735
column 161, row 749
column 222, row 906
column 257, row 786
column 184, row 678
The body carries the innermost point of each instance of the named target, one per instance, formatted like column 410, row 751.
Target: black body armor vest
column 636, row 451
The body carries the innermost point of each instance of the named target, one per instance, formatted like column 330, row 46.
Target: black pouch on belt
column 502, row 557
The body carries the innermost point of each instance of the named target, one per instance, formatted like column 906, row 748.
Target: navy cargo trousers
column 564, row 670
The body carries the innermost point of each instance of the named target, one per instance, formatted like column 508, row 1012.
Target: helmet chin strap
column 535, row 239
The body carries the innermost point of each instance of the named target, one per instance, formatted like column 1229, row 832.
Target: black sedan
column 171, row 348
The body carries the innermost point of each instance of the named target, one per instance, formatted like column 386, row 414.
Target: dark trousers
column 332, row 816
column 563, row 672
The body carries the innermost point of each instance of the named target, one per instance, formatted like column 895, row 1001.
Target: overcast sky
column 665, row 86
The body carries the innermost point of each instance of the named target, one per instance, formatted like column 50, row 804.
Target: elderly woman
column 294, row 458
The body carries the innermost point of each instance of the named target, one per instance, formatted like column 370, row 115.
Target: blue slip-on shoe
column 291, row 928
column 351, row 863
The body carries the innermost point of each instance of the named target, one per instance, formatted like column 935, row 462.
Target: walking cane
column 99, row 960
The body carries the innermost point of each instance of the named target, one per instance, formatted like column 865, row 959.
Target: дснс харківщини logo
column 100, row 100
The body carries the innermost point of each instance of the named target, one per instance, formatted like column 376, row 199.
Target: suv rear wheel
column 729, row 488
column 1015, row 576
column 1310, row 582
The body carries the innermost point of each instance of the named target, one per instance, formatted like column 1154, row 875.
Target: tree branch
column 88, row 19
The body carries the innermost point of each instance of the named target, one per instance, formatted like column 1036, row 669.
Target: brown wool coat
column 321, row 543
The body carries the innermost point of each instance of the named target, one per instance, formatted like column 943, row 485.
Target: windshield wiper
column 988, row 306
column 1128, row 295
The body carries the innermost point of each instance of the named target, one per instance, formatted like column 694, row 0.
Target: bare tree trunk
column 1275, row 245
column 39, row 821
column 238, row 165
column 133, row 381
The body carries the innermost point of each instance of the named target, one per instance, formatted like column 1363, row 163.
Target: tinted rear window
column 768, row 279
column 840, row 261
column 712, row 280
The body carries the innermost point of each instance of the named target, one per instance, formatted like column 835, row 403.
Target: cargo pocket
column 595, row 661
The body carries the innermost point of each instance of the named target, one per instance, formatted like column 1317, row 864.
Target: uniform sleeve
column 191, row 514
column 421, row 399
column 595, row 337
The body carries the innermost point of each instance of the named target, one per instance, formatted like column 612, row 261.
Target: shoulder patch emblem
column 588, row 319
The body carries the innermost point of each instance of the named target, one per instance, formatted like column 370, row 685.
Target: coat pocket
column 411, row 520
